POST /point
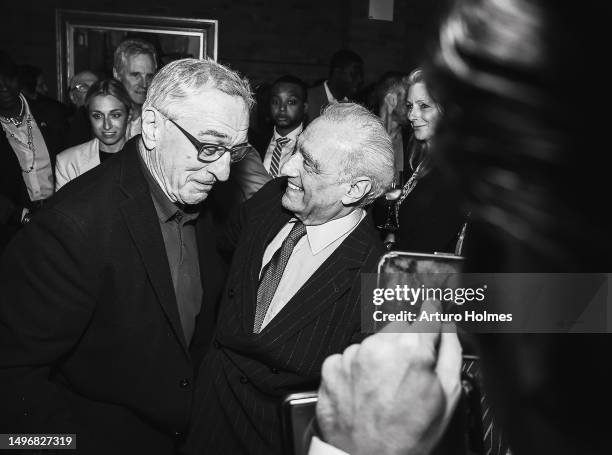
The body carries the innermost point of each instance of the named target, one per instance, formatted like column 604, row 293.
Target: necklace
column 407, row 188
column 29, row 145
column 18, row 120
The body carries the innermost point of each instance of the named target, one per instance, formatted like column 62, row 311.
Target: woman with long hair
column 109, row 109
column 428, row 211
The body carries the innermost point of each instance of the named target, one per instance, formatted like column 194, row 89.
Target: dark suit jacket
column 431, row 217
column 90, row 337
column 244, row 377
column 13, row 192
column 317, row 100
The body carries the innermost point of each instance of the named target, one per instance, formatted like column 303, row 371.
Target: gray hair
column 129, row 48
column 370, row 150
column 181, row 78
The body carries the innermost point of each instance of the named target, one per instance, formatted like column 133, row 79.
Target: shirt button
column 244, row 379
column 230, row 293
column 177, row 434
column 185, row 384
column 216, row 344
column 274, row 370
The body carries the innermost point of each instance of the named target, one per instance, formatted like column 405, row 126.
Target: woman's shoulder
column 79, row 151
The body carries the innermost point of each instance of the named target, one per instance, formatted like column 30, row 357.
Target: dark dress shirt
column 179, row 233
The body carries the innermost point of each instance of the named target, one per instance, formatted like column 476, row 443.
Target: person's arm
column 250, row 174
column 46, row 305
column 10, row 214
column 61, row 173
column 392, row 394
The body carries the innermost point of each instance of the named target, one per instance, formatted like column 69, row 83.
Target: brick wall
column 261, row 38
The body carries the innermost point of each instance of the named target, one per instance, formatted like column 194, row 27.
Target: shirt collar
column 292, row 135
column 323, row 235
column 165, row 208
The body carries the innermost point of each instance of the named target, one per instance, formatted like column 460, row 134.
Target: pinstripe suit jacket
column 244, row 376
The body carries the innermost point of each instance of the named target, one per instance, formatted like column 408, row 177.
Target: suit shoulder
column 90, row 190
column 271, row 191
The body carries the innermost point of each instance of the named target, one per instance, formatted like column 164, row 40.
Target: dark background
column 262, row 39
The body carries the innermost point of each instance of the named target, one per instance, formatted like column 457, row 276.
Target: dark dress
column 430, row 217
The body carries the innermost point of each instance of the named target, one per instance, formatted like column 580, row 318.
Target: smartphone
column 297, row 418
column 407, row 262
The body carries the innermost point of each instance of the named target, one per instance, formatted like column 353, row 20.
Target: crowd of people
column 179, row 252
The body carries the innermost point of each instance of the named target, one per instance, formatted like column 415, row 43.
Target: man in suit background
column 32, row 133
column 107, row 293
column 79, row 129
column 345, row 79
column 288, row 105
column 292, row 297
column 135, row 64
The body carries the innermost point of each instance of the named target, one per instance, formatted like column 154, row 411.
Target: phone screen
column 298, row 415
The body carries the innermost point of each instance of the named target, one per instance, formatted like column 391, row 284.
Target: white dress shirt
column 285, row 151
column 308, row 255
column 318, row 447
column 39, row 181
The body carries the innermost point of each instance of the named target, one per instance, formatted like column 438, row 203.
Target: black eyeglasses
column 208, row 153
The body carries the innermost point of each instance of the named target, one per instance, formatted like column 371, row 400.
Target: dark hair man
column 32, row 134
column 345, row 78
column 288, row 104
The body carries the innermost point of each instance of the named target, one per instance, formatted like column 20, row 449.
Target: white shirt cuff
column 318, row 447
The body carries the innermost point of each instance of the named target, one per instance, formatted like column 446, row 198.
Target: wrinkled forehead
column 326, row 139
column 214, row 109
column 287, row 89
column 137, row 58
column 418, row 92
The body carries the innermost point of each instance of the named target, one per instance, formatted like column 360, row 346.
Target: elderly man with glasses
column 108, row 295
column 79, row 129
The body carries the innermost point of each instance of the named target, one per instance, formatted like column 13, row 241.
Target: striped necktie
column 273, row 272
column 490, row 439
column 276, row 155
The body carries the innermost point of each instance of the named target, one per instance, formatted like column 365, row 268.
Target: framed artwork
column 87, row 40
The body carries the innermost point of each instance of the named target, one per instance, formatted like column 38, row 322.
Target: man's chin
column 289, row 203
column 193, row 198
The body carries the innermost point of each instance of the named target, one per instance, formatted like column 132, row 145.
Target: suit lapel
column 143, row 224
column 269, row 220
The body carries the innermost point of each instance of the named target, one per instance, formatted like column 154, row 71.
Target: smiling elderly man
column 293, row 292
column 107, row 294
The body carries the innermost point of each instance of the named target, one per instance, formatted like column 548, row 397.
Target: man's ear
column 151, row 127
column 360, row 188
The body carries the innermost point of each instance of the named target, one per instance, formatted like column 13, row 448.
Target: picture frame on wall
column 87, row 40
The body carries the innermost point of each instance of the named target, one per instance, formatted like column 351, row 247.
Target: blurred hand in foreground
column 395, row 392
